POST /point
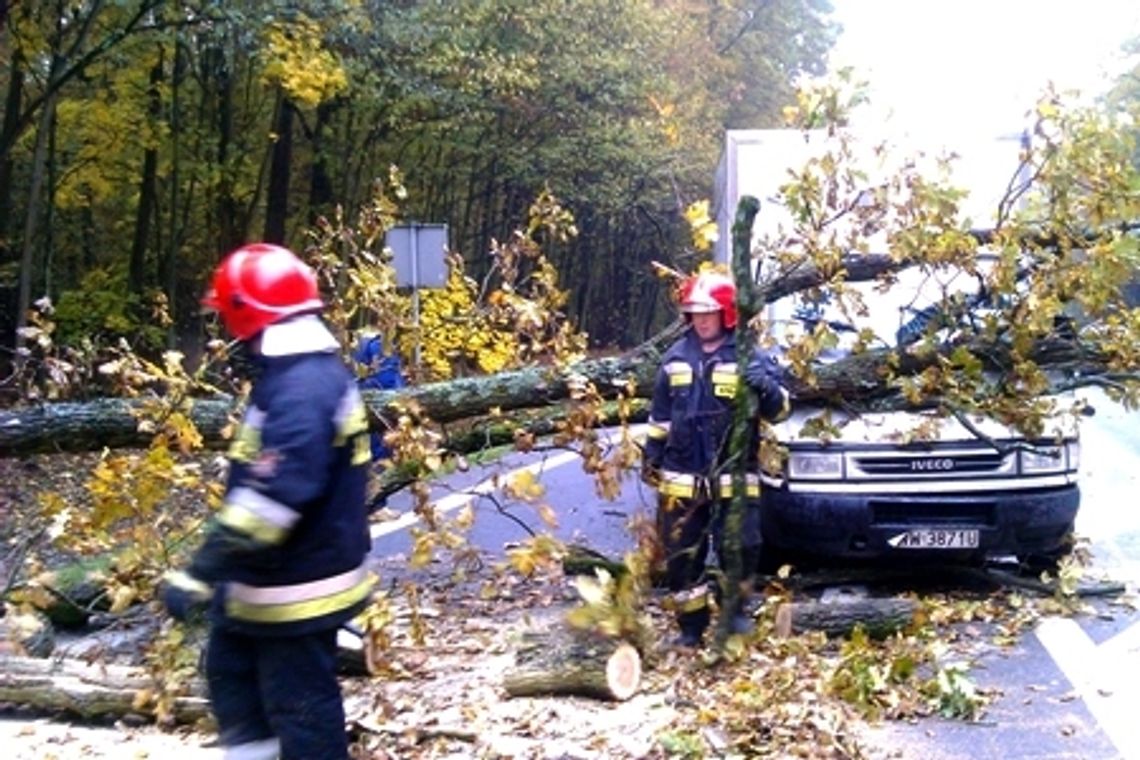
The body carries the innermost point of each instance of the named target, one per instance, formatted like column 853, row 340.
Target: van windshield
column 896, row 317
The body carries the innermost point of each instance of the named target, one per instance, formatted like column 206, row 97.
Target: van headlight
column 814, row 466
column 1043, row 460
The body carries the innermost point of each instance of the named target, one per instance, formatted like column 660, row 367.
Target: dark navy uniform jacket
column 692, row 408
column 287, row 552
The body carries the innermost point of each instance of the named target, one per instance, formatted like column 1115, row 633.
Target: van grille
column 922, row 465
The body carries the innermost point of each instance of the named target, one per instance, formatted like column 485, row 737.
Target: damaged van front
column 863, row 491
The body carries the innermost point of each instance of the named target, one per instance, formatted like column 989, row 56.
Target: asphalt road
column 582, row 515
column 1069, row 689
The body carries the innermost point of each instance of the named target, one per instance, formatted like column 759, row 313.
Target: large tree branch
column 857, row 382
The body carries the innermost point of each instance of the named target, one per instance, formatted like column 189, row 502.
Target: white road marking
column 1107, row 677
column 455, row 501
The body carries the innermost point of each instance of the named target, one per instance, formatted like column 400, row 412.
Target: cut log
column 567, row 662
column 879, row 617
column 88, row 691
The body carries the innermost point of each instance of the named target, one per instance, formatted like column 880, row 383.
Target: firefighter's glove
column 185, row 597
column 763, row 376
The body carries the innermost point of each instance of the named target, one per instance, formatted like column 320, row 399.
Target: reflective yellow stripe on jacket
column 352, row 425
column 299, row 601
column 725, row 380
column 683, row 485
column 251, row 512
column 692, row 599
column 680, row 485
column 751, row 485
column 680, row 374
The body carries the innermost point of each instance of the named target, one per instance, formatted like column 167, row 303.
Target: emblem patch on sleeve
column 265, row 466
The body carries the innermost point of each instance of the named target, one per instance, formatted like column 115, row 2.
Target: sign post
column 419, row 258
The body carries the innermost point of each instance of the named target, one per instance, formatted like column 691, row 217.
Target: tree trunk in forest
column 567, row 661
column 31, row 217
column 148, row 190
column 12, row 101
column 227, row 219
column 321, row 198
column 168, row 271
column 277, row 193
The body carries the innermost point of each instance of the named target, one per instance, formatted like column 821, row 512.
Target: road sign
column 419, row 254
column 419, row 258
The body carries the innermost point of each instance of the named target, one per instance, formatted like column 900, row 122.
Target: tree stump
column 879, row 617
column 570, row 662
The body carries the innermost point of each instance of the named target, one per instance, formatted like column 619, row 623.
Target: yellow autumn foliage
column 296, row 59
column 702, row 226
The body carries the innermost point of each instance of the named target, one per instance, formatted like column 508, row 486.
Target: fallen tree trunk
column 87, row 690
column 565, row 661
column 858, row 381
column 90, row 425
column 879, row 617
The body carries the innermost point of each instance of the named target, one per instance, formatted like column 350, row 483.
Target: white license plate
column 936, row 538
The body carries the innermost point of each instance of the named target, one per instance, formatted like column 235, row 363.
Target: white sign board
column 419, row 254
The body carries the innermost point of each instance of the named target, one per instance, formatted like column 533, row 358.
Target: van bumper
column 862, row 526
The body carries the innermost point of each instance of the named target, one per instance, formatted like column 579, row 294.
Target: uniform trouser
column 688, row 525
column 285, row 687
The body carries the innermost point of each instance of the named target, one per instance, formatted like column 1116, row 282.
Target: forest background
column 142, row 140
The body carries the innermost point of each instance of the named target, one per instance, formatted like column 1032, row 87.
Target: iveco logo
column 932, row 465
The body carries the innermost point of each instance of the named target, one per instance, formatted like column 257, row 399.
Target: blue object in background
column 381, row 372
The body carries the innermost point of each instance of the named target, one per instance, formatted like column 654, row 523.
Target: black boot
column 693, row 626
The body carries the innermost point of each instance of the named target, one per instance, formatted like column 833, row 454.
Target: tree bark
column 856, row 382
column 78, row 426
column 87, row 690
column 148, row 190
column 565, row 661
column 879, row 617
column 277, row 193
column 31, row 215
column 12, row 101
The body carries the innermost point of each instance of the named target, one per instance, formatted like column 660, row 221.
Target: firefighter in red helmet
column 284, row 562
column 690, row 418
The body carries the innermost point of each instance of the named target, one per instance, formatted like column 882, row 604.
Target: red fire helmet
column 259, row 284
column 708, row 292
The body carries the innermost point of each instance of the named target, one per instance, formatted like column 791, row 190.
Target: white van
column 869, row 490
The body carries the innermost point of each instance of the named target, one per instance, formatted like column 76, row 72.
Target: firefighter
column 284, row 562
column 690, row 419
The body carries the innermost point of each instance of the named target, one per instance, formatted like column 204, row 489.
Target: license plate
column 936, row 538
